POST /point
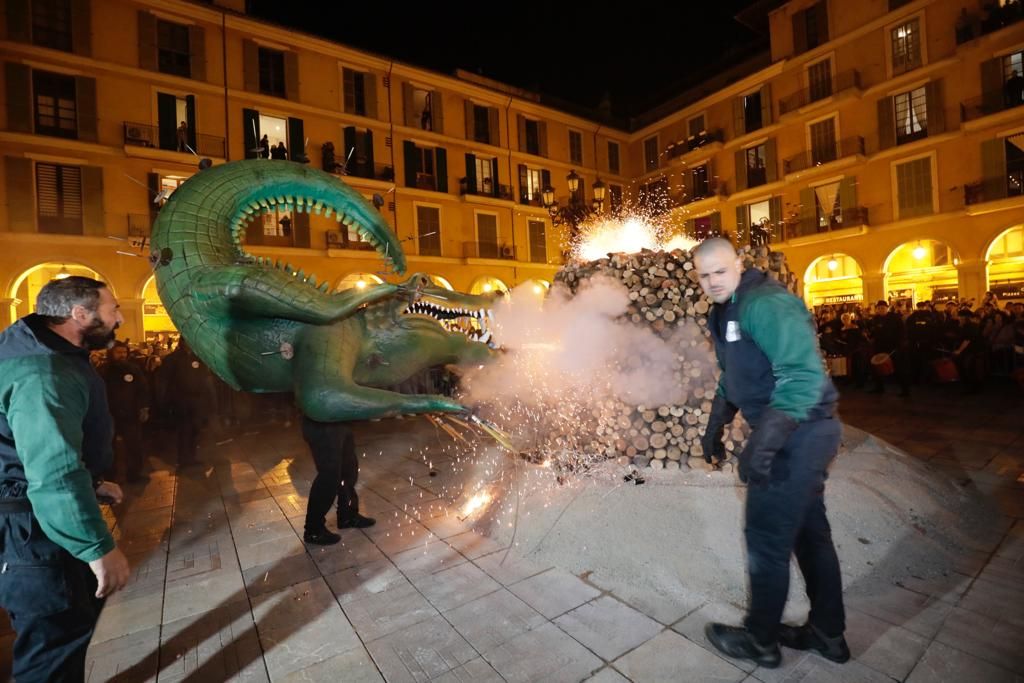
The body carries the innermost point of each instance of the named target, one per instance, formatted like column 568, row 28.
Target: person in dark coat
column 187, row 387
column 888, row 335
column 128, row 396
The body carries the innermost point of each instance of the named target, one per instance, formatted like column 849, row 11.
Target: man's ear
column 81, row 314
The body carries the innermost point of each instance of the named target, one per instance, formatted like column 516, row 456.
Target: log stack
column 665, row 297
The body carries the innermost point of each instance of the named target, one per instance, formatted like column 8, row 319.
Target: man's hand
column 767, row 439
column 110, row 491
column 112, row 572
column 722, row 413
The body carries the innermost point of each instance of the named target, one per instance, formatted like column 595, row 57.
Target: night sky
column 641, row 56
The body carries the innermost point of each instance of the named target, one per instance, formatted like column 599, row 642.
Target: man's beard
column 97, row 336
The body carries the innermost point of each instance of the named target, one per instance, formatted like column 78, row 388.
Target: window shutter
column 523, row 182
column 296, row 141
column 521, row 131
column 441, row 168
column 300, row 229
column 147, row 41
column 936, row 110
column 775, row 218
column 19, row 21
column 93, row 222
column 739, row 127
column 993, row 169
column 370, row 163
column 766, row 104
column 821, row 19
column 190, row 121
column 886, row 123
column 493, row 126
column 495, row 188
column 251, row 65
column 251, row 132
column 992, row 85
column 349, row 89
column 407, row 101
column 470, row 127
column 808, row 212
column 690, row 227
column 716, row 223
column 471, row 172
column 85, row 102
column 437, row 111
column 153, row 183
column 545, row 179
column 19, row 97
column 81, row 27
column 166, row 118
column 688, row 183
column 197, row 52
column 800, row 32
column 848, row 196
column 542, row 133
column 742, row 227
column 741, row 169
column 370, row 93
column 291, row 76
column 19, row 183
column 411, row 163
column 771, row 161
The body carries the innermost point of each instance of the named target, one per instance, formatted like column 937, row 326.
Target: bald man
column 771, row 367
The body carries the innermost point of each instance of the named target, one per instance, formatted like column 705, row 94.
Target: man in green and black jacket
column 57, row 557
column 772, row 370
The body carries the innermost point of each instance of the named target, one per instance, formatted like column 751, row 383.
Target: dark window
column 906, row 47
column 481, row 124
column 650, row 154
column 756, row 166
column 172, row 44
column 272, row 72
column 911, row 115
column 487, row 235
column 817, row 29
column 425, row 178
column 428, row 230
column 1013, row 79
column 613, row 157
column 823, row 141
column 615, row 198
column 699, row 182
column 752, row 111
column 819, row 77
column 59, row 197
column 55, row 104
column 532, row 136
column 1014, row 165
column 575, row 147
column 51, row 24
column 704, row 227
column 695, row 126
column 538, row 242
column 359, row 93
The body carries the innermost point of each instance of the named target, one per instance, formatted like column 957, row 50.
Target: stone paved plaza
column 224, row 589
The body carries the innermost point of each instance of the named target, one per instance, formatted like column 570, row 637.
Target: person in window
column 183, row 137
column 279, row 151
column 1013, row 89
column 425, row 122
column 264, row 148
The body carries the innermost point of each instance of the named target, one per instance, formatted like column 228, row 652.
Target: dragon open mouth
column 473, row 323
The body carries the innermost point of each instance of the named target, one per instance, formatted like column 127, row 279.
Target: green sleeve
column 781, row 327
column 46, row 402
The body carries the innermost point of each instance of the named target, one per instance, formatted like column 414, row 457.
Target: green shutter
column 493, row 126
column 251, row 65
column 18, row 79
column 147, row 41
column 738, row 122
column 771, row 161
column 470, row 120
column 848, row 198
column 297, row 141
column 349, row 89
column 542, row 134
column 81, row 27
column 291, row 76
column 190, row 121
column 741, row 169
column 821, row 17
column 521, row 131
column 370, row 94
column 93, row 219
column 251, row 132
column 992, row 85
column 411, row 118
column 471, row 173
column 370, row 165
column 800, row 32
column 545, row 179
column 85, row 103
column 167, row 123
column 495, row 185
column 523, row 181
column 766, row 104
column 993, row 169
column 197, row 52
column 808, row 212
column 441, row 169
column 411, row 163
column 437, row 111
column 886, row 123
column 19, row 21
column 742, row 225
column 935, row 107
column 19, row 183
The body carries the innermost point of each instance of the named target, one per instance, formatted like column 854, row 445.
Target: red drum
column 882, row 364
column 945, row 370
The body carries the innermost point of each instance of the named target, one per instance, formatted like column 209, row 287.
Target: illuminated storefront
column 924, row 270
column 833, row 279
column 1006, row 265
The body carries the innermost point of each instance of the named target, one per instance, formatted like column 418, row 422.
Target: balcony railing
column 493, row 250
column 338, row 239
column 977, row 107
column 847, row 218
column 139, row 224
column 144, row 135
column 995, row 17
column 846, row 80
column 714, row 188
column 842, row 149
column 487, row 190
column 684, row 146
column 982, row 191
column 371, row 172
column 536, row 200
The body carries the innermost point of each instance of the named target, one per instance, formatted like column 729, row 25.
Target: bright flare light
column 476, row 503
column 833, row 264
column 361, row 284
column 612, row 236
column 919, row 252
column 487, row 286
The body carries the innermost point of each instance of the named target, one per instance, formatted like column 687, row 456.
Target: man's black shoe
column 321, row 537
column 356, row 521
column 807, row 637
column 739, row 643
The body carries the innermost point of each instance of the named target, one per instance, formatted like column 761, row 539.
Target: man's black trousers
column 337, row 469
column 787, row 517
column 50, row 599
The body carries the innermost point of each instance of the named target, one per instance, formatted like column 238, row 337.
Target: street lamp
column 576, row 211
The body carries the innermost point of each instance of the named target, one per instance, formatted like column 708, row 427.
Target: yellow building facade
column 880, row 145
column 110, row 105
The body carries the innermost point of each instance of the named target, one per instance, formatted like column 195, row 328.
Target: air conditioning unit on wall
column 507, row 251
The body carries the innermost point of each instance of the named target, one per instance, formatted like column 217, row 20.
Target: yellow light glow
column 919, row 252
column 537, row 289
column 361, row 284
column 487, row 287
column 833, row 264
column 62, row 273
column 476, row 503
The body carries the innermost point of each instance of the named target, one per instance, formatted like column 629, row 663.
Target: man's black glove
column 722, row 413
column 767, row 439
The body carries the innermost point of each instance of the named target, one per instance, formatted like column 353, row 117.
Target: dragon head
column 426, row 327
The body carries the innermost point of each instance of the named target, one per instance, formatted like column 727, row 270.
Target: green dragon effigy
column 267, row 327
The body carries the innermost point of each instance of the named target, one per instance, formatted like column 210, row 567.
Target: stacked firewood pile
column 665, row 296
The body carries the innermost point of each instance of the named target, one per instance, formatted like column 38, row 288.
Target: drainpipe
column 394, row 166
column 224, row 66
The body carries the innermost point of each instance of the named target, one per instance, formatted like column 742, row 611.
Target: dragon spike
column 323, row 286
column 277, row 264
column 311, row 280
column 288, row 268
column 300, row 274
